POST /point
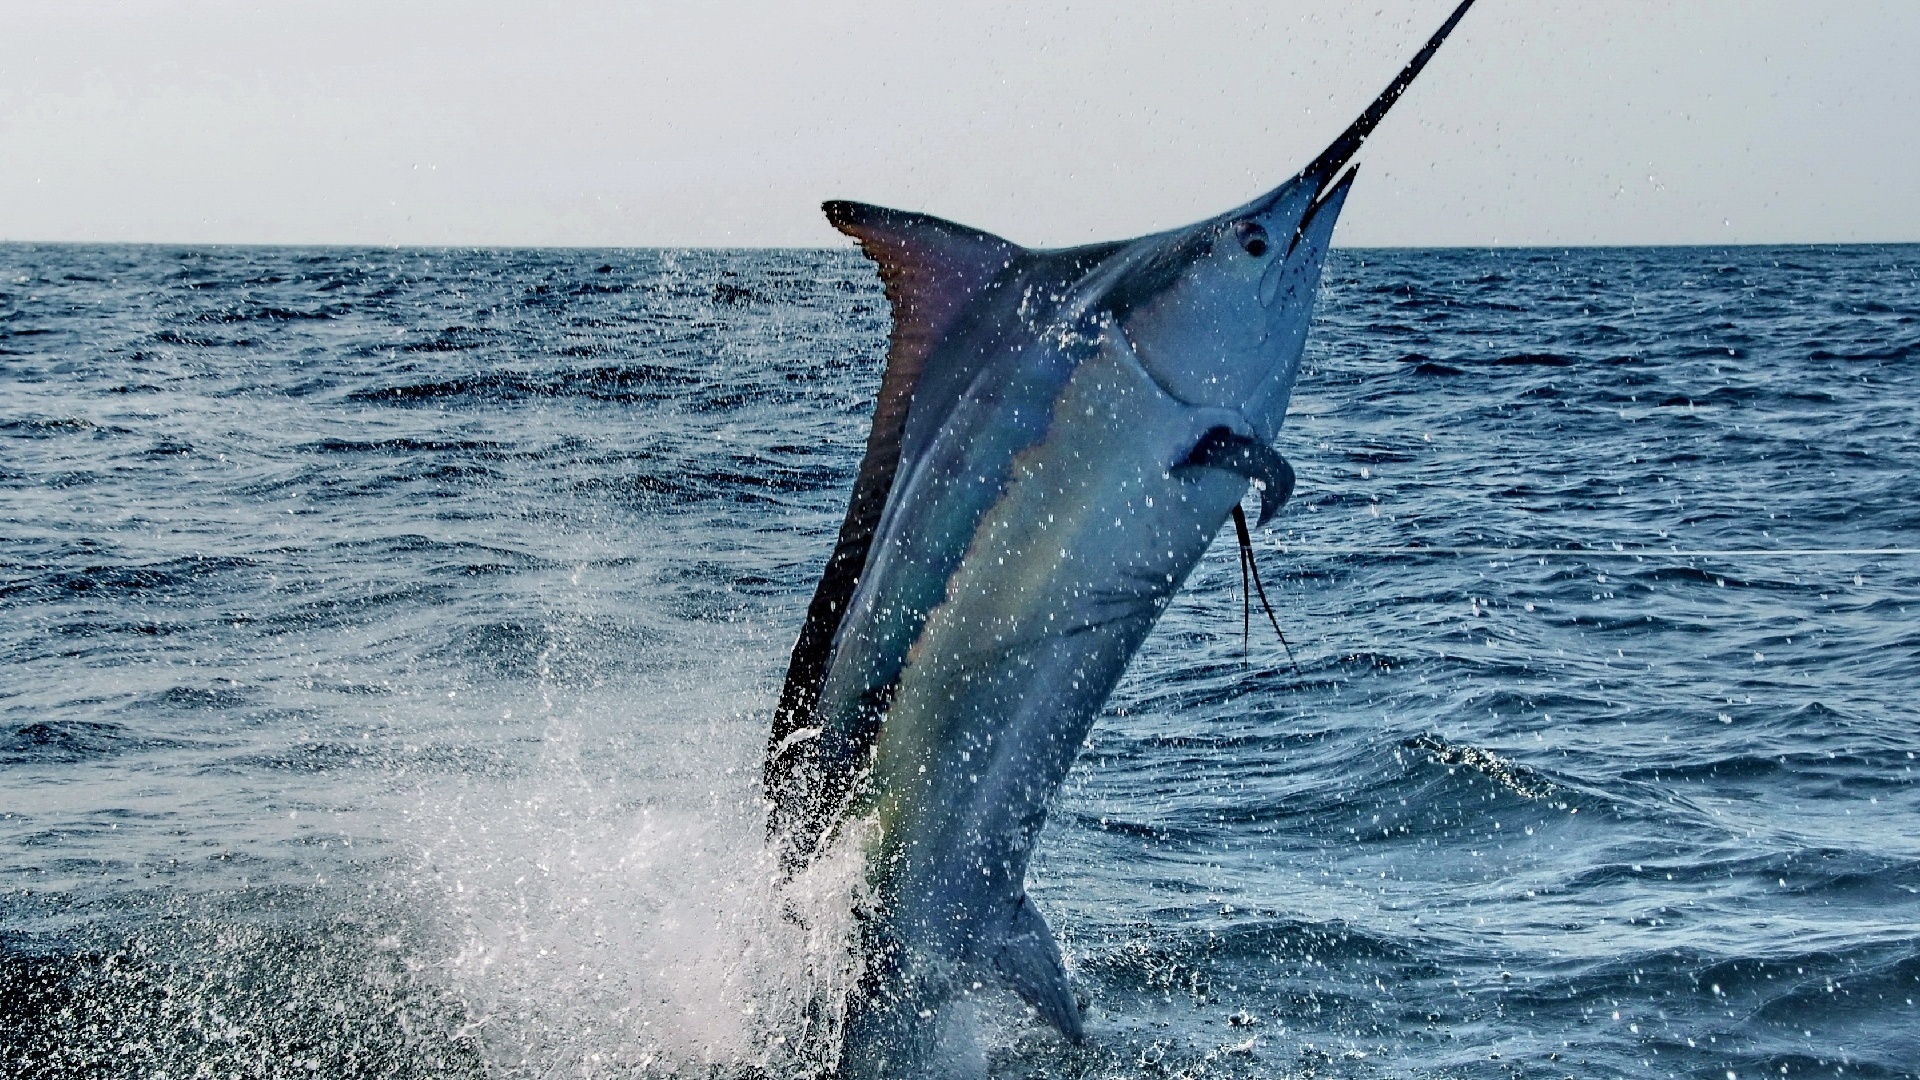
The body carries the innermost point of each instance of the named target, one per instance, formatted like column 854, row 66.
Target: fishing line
column 1246, row 601
column 1250, row 570
column 1247, row 566
column 1584, row 553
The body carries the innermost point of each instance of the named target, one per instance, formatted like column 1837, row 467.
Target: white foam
column 615, row 909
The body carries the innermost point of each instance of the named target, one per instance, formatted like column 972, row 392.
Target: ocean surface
column 388, row 638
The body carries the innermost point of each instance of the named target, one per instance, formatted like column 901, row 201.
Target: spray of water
column 613, row 909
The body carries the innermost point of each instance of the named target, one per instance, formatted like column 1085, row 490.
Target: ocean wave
column 467, row 556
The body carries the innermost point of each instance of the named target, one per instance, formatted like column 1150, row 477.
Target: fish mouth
column 1327, row 193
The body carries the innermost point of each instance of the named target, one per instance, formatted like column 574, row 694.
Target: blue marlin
column 1058, row 437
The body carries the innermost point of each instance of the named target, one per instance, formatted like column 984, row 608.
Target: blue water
column 388, row 639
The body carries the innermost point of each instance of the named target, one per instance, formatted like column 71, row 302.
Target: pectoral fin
column 1242, row 455
column 1029, row 960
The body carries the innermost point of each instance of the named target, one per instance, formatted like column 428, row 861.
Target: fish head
column 1218, row 311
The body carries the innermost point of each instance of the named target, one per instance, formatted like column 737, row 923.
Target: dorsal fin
column 932, row 270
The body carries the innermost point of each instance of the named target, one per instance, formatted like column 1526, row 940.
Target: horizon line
column 851, row 247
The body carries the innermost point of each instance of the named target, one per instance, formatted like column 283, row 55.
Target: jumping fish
column 1058, row 437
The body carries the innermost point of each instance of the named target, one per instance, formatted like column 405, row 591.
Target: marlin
column 1058, row 437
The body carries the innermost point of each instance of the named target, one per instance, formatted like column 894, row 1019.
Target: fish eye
column 1253, row 238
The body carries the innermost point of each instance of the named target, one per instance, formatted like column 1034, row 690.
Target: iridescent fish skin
column 1059, row 437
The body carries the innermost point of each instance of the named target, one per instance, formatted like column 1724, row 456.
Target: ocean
column 388, row 639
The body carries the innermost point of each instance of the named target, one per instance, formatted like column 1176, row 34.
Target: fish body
column 1059, row 437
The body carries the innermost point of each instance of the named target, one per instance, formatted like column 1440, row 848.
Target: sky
column 641, row 124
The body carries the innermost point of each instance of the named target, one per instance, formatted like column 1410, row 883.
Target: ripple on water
column 389, row 633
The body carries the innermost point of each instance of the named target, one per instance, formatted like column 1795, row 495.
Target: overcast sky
column 635, row 124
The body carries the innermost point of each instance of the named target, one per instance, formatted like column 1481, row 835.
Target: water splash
column 623, row 913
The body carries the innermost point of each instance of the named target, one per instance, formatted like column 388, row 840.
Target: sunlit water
column 387, row 640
